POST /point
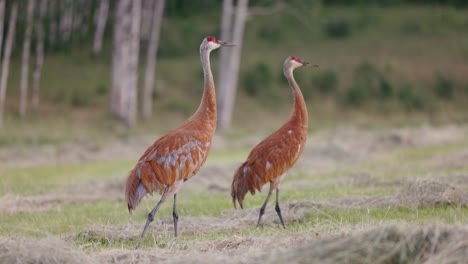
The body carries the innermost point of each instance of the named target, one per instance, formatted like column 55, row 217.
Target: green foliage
column 269, row 33
column 102, row 89
column 411, row 27
column 385, row 89
column 355, row 96
column 179, row 106
column 258, row 80
column 337, row 28
column 410, row 99
column 326, row 82
column 444, row 87
column 82, row 98
column 366, row 84
column 456, row 3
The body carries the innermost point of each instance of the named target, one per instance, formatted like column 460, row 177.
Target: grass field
column 382, row 181
column 398, row 183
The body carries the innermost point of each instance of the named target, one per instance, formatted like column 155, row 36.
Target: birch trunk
column 25, row 59
column 6, row 58
column 66, row 20
column 39, row 55
column 121, row 25
column 132, row 69
column 148, row 88
column 2, row 17
column 234, row 63
column 226, row 35
column 125, row 60
column 101, row 20
column 53, row 23
column 146, row 19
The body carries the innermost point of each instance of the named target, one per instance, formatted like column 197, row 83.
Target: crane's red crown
column 212, row 39
column 296, row 59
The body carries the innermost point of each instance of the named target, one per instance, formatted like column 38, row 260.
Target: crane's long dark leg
column 277, row 208
column 175, row 215
column 262, row 210
column 150, row 219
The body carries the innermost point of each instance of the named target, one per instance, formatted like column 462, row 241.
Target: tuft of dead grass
column 428, row 192
column 391, row 244
column 47, row 250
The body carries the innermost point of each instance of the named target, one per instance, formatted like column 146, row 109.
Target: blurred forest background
column 66, row 64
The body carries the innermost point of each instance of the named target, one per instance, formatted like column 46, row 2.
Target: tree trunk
column 146, row 19
column 226, row 35
column 6, row 58
column 132, row 84
column 122, row 24
column 101, row 20
column 39, row 55
column 125, row 61
column 66, row 20
column 25, row 59
column 2, row 17
column 230, row 85
column 53, row 23
column 148, row 88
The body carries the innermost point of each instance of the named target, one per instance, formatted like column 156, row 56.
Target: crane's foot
column 262, row 210
column 278, row 211
column 148, row 221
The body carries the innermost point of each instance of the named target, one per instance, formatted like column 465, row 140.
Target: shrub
column 409, row 98
column 385, row 89
column 269, row 33
column 444, row 87
column 365, row 84
column 337, row 28
column 326, row 82
column 355, row 96
column 101, row 89
column 411, row 27
column 81, row 98
column 258, row 80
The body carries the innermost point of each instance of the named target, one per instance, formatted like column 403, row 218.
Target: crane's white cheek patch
column 268, row 165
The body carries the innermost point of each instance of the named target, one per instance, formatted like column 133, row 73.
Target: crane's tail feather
column 141, row 181
column 245, row 180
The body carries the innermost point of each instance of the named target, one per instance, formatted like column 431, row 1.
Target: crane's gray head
column 294, row 62
column 211, row 43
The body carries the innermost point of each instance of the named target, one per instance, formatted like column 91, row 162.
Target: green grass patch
column 373, row 216
column 40, row 179
column 64, row 218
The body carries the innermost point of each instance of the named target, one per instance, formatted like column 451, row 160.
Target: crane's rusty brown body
column 176, row 156
column 179, row 154
column 273, row 156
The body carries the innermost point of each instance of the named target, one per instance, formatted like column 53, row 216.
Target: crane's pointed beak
column 225, row 44
column 308, row 64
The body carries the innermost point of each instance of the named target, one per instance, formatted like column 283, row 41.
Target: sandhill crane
column 179, row 154
column 273, row 156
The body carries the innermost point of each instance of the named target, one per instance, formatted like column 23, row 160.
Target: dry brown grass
column 46, row 250
column 391, row 244
column 382, row 244
column 228, row 237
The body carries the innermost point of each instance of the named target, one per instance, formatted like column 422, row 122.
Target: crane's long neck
column 299, row 113
column 207, row 109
